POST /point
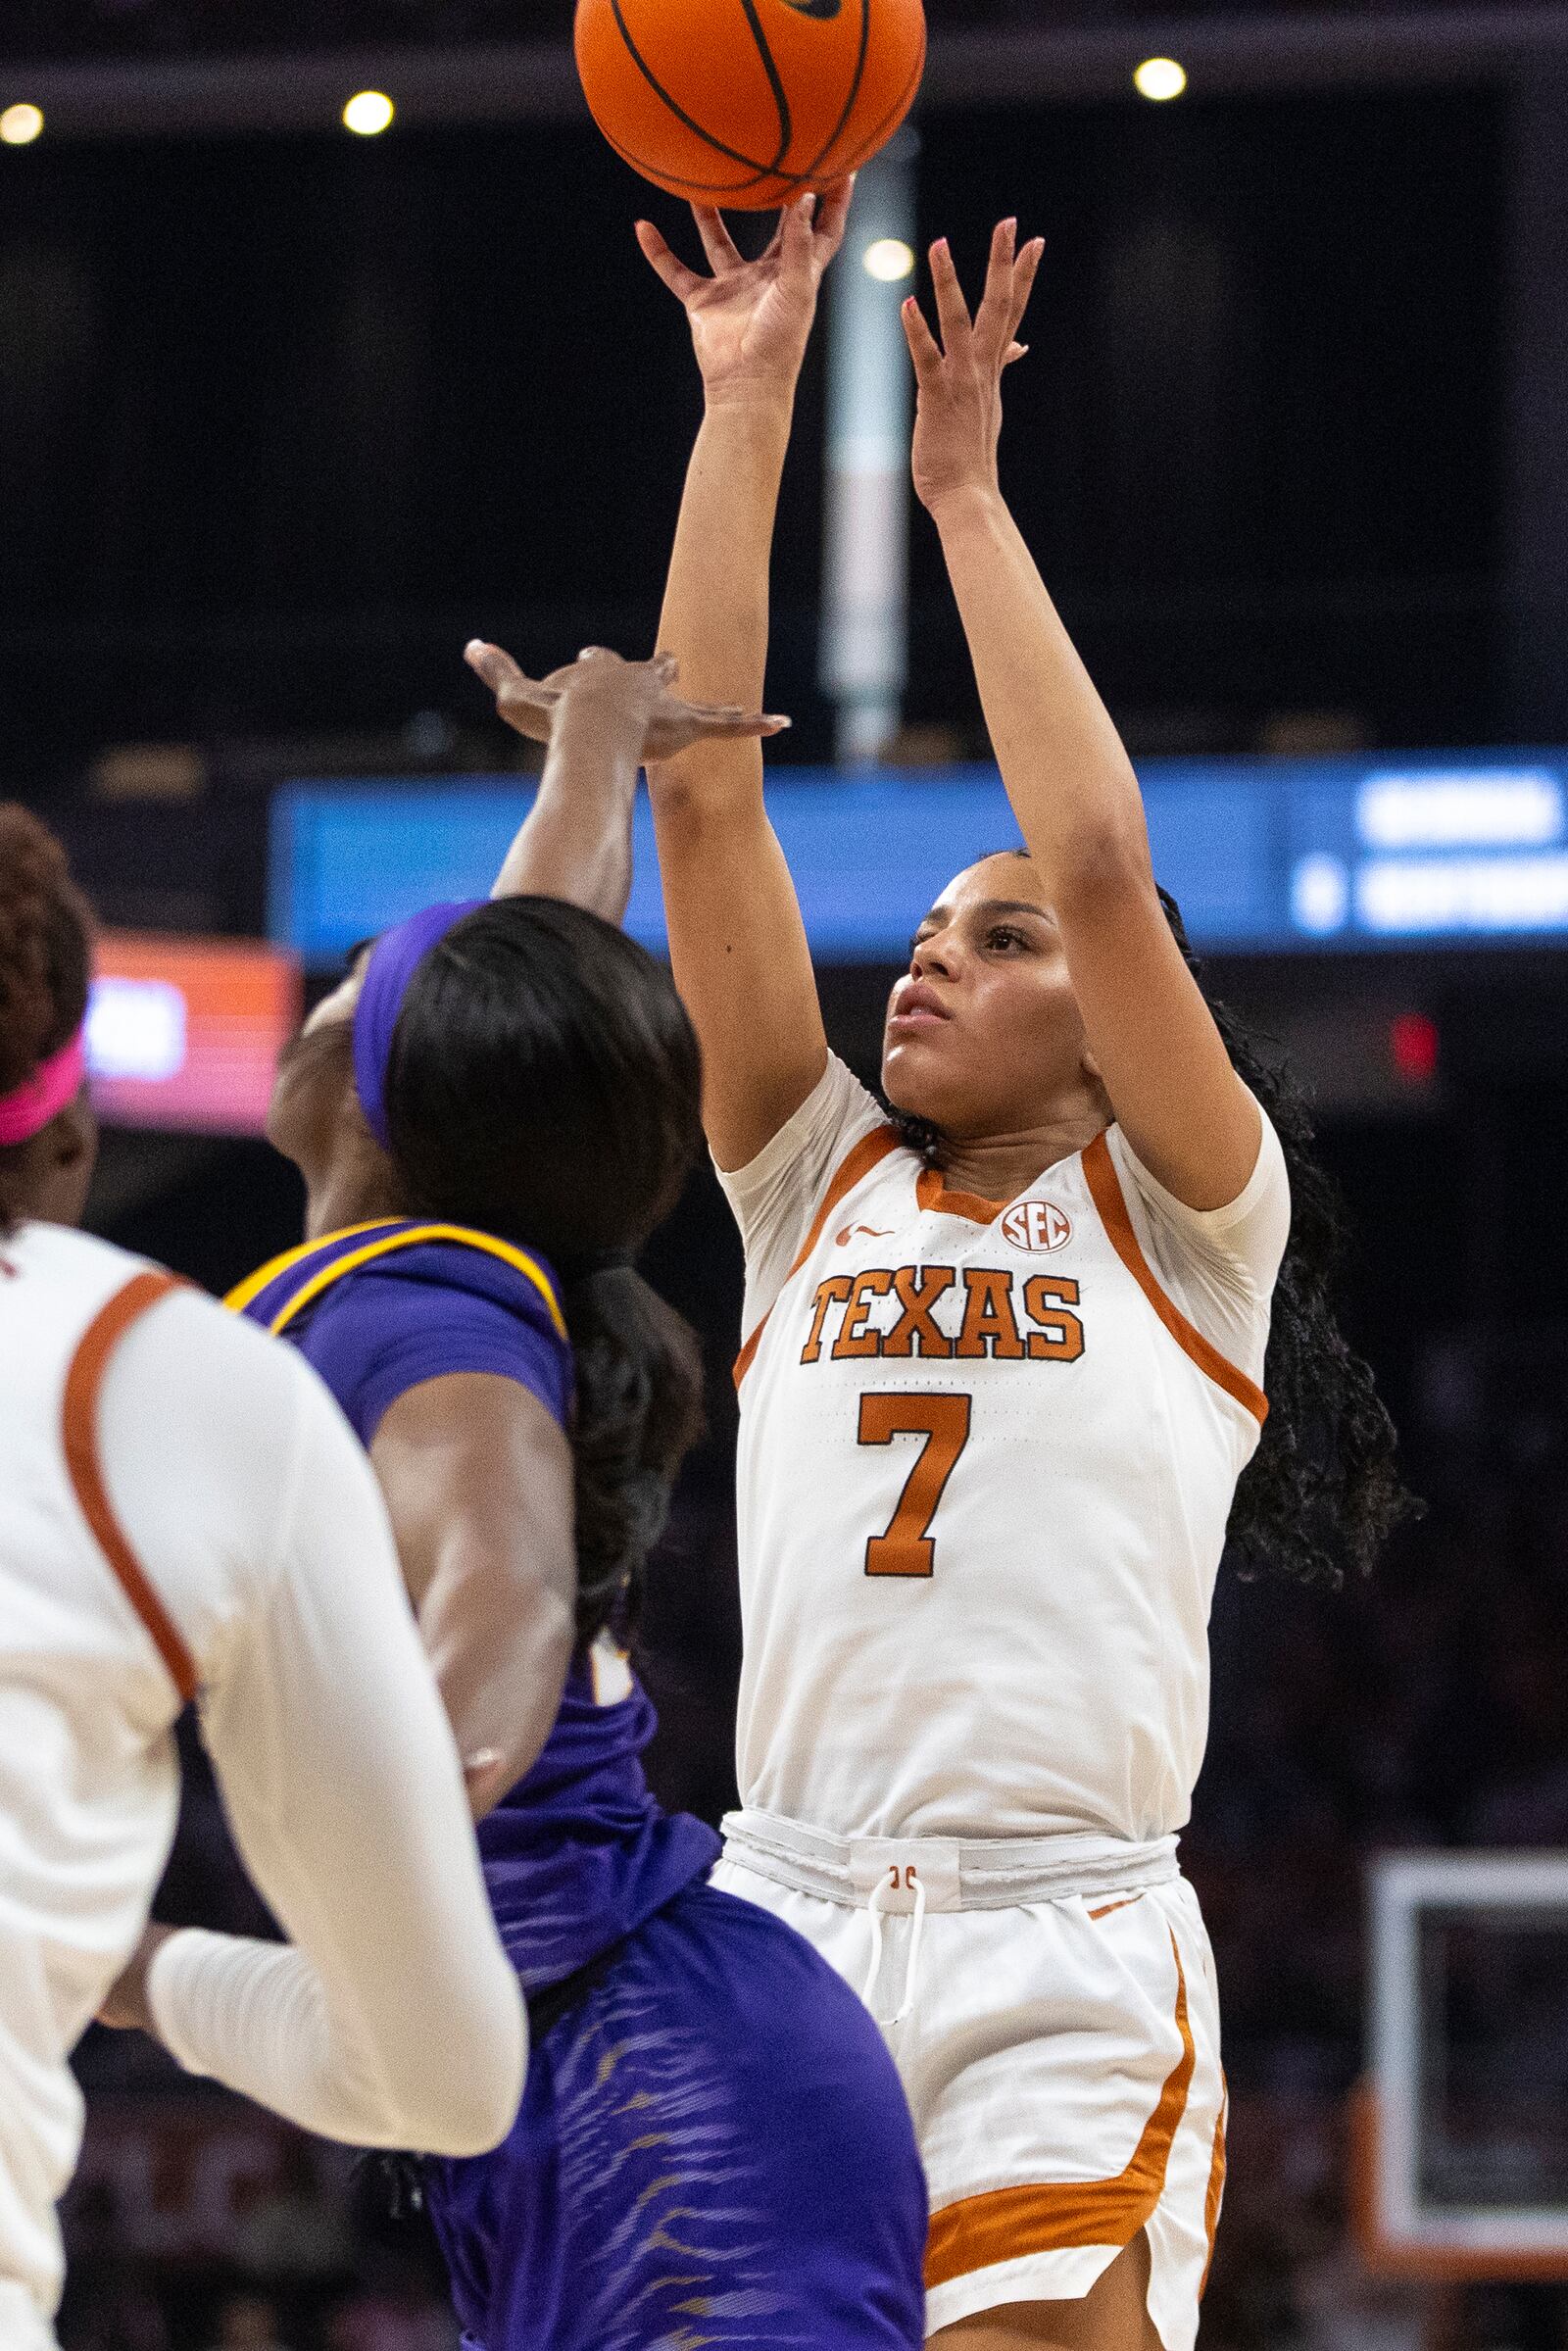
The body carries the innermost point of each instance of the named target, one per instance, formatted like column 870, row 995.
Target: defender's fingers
column 953, row 312
column 497, row 669
column 1014, row 352
column 682, row 282
column 740, row 725
column 722, row 252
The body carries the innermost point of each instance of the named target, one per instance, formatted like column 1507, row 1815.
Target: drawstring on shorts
column 876, row 1903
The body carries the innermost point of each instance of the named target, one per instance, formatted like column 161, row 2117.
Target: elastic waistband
column 997, row 1873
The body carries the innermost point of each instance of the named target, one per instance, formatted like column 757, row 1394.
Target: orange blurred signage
column 185, row 1033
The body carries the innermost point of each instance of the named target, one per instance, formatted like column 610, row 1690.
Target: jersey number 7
column 908, row 1549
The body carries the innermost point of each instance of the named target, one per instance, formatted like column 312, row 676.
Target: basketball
column 748, row 103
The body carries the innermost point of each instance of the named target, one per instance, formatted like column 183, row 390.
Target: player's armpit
column 478, row 1479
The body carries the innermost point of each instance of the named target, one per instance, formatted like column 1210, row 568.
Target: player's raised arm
column 604, row 719
column 1180, row 1104
column 737, row 942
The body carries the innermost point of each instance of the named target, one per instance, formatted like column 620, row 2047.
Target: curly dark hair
column 1323, row 1491
column 45, row 953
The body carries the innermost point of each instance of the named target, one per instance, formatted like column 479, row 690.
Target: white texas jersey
column 91, row 1676
column 987, row 1457
column 182, row 1510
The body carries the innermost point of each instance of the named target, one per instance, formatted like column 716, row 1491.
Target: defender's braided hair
column 1323, row 1491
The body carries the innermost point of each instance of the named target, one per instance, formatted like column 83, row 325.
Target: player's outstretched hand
column 751, row 321
column 958, row 421
column 633, row 698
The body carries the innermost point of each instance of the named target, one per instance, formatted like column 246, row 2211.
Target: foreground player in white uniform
column 185, row 1514
column 1003, row 1366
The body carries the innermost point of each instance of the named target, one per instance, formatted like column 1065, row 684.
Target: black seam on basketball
column 762, row 170
column 826, row 149
column 872, row 138
column 781, row 96
column 702, row 187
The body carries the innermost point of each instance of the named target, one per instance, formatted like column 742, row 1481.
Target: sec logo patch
column 1036, row 1224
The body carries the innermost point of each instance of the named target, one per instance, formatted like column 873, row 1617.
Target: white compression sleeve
column 396, row 2019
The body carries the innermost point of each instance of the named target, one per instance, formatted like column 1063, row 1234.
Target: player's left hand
column 958, row 421
column 635, row 697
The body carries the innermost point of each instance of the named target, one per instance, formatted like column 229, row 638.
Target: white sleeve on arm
column 394, row 2018
column 775, row 1197
column 1219, row 1265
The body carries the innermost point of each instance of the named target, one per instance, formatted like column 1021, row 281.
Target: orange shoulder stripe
column 852, row 1170
column 1104, row 1188
column 80, row 1433
column 1008, row 2222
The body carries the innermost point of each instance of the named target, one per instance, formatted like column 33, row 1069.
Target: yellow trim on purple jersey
column 409, row 1236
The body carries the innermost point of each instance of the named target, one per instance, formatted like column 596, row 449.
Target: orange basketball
column 747, row 103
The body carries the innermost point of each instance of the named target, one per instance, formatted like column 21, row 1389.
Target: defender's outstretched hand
column 750, row 320
column 958, row 421
column 628, row 693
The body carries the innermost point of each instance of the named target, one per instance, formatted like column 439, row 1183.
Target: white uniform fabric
column 257, row 1523
column 986, row 1461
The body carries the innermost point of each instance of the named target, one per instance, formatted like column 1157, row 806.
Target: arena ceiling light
column 367, row 113
column 20, row 125
column 1160, row 79
column 889, row 259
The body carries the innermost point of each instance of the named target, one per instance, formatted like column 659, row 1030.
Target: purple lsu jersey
column 579, row 1854
column 714, row 2147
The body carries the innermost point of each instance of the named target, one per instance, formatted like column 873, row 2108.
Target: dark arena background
column 287, row 415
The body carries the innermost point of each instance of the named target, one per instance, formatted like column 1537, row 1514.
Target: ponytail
column 639, row 1412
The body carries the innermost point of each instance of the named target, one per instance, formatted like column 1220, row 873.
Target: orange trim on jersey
column 852, row 1169
column 1106, row 1908
column 80, row 1433
column 1104, row 1188
column 1216, row 2186
column 931, row 1192
column 1008, row 2223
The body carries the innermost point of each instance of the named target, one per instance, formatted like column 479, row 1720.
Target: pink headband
column 28, row 1109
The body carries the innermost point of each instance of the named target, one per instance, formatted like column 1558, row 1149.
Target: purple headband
column 393, row 961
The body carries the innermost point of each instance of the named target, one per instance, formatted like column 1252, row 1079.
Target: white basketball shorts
column 1061, row 2060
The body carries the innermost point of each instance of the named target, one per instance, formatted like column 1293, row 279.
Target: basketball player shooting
column 1006, row 1341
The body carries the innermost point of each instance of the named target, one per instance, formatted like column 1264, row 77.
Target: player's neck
column 355, row 1194
column 1000, row 1166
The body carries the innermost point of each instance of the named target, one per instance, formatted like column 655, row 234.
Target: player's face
column 983, row 1033
column 312, row 1072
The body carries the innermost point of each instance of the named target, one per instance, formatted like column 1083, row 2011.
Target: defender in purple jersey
column 712, row 2147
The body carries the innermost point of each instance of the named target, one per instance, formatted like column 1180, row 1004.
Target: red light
column 1414, row 1048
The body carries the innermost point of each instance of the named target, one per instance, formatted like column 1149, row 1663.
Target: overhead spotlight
column 20, row 125
column 1160, row 79
column 890, row 260
column 367, row 113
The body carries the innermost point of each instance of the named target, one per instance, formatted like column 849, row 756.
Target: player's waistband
column 994, row 1873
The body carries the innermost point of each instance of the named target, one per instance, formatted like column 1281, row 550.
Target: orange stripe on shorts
column 1008, row 2222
